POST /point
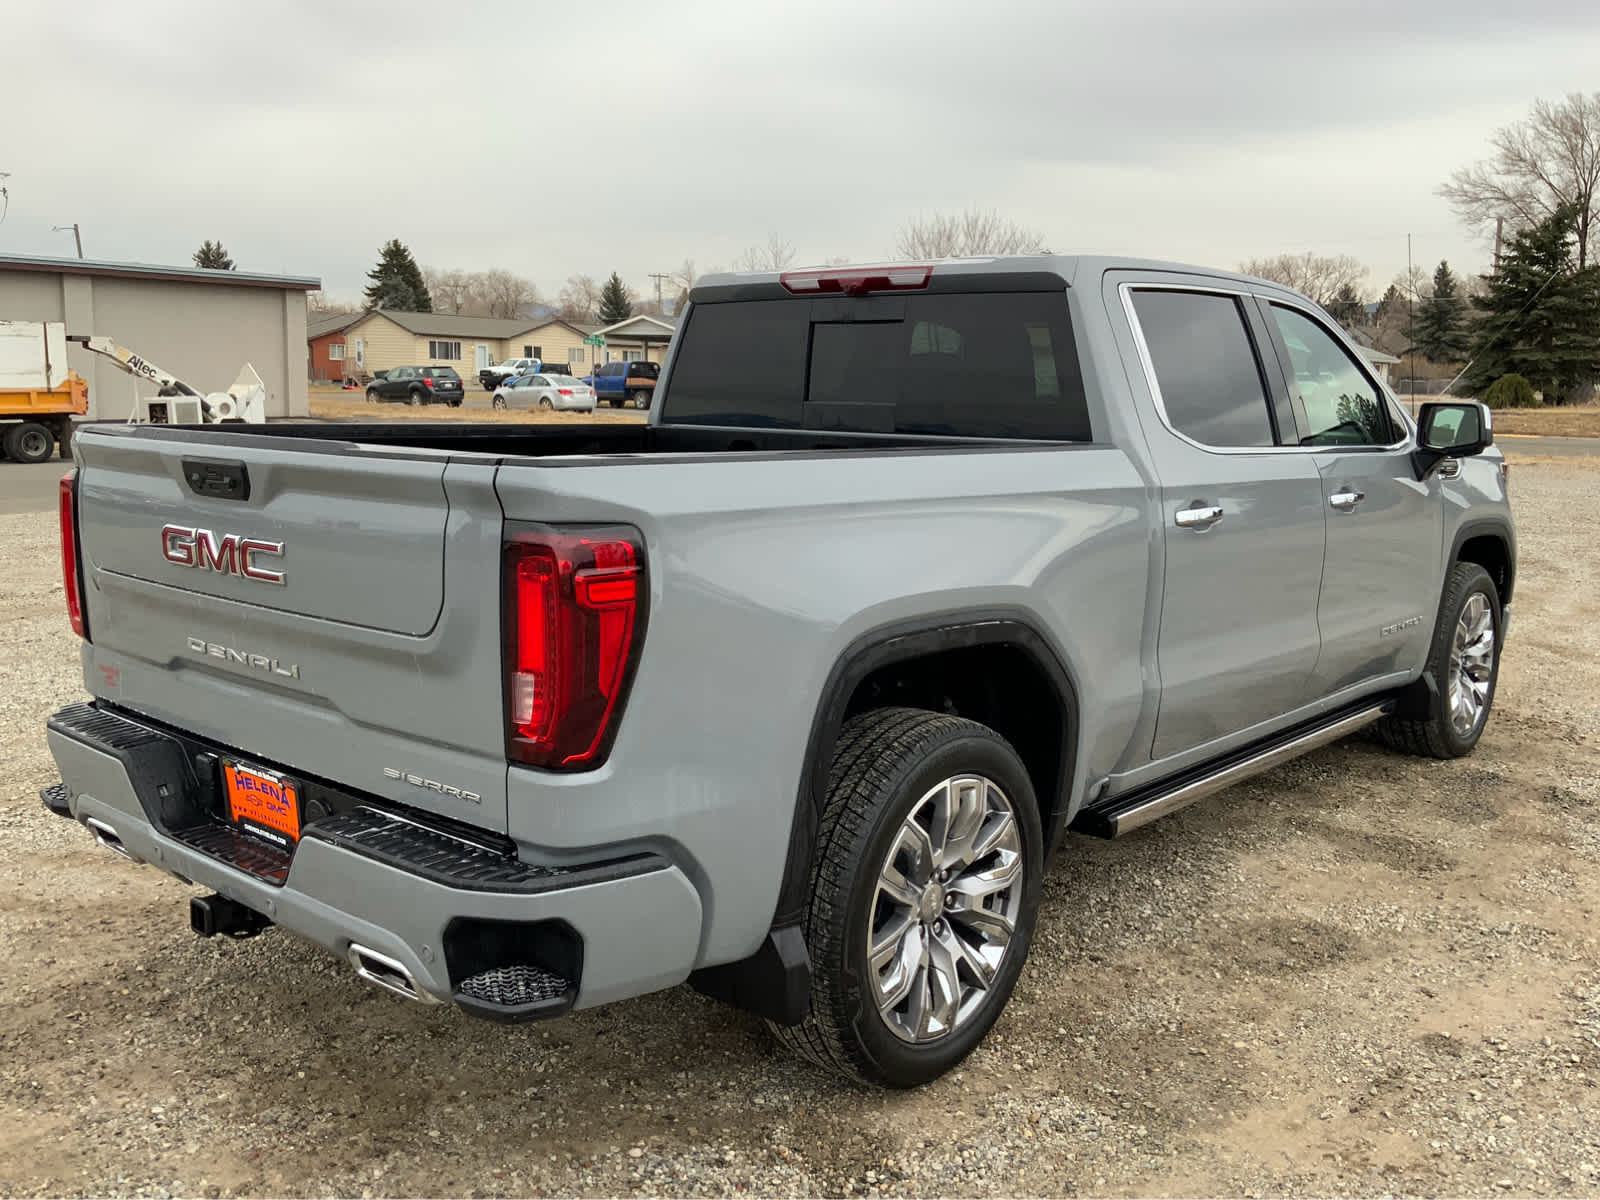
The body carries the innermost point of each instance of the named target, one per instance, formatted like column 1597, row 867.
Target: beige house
column 381, row 339
column 560, row 342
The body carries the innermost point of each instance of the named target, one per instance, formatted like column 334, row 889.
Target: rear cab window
column 1000, row 364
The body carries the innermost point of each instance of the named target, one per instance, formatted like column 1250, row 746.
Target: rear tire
column 1464, row 662
column 640, row 398
column 413, row 398
column 30, row 442
column 932, row 888
column 545, row 405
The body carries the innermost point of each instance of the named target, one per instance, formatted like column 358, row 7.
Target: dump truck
column 39, row 395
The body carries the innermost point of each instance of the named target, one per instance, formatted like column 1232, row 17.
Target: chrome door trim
column 1126, row 290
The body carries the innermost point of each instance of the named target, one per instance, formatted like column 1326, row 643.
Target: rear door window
column 993, row 364
column 1206, row 369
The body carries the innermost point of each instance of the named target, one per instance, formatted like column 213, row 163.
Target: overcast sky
column 554, row 138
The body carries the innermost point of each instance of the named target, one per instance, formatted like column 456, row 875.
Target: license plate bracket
column 262, row 802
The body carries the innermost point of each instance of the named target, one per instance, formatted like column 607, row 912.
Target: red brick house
column 325, row 337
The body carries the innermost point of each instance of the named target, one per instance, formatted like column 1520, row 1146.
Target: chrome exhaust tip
column 107, row 837
column 387, row 974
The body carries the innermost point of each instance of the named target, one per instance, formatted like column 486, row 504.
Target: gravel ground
column 1361, row 974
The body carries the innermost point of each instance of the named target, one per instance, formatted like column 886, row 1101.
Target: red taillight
column 565, row 391
column 71, row 577
column 575, row 605
column 855, row 281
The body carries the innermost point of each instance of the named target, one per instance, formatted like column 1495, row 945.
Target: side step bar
column 1127, row 813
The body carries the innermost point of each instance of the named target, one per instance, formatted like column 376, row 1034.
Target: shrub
column 1510, row 391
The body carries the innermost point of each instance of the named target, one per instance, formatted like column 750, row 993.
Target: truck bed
column 560, row 441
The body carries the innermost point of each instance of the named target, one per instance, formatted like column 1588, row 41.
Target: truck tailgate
column 304, row 623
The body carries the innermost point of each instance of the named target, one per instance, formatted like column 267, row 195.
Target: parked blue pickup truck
column 626, row 383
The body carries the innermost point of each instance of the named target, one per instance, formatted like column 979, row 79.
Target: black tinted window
column 644, row 370
column 972, row 365
column 1206, row 367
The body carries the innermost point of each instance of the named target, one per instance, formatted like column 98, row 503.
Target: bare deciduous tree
column 1317, row 276
column 451, row 290
column 777, row 254
column 579, row 298
column 1549, row 158
column 504, row 294
column 967, row 234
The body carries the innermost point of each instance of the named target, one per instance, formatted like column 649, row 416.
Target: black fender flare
column 775, row 981
column 882, row 647
column 1495, row 527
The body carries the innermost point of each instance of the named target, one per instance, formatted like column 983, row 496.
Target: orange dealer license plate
column 262, row 803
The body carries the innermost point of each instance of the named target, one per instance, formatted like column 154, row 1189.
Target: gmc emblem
column 227, row 555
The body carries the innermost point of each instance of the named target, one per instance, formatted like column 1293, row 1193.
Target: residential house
column 325, row 336
column 380, row 339
column 560, row 342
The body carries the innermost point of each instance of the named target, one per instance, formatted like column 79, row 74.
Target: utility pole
column 76, row 236
column 1411, row 325
column 1499, row 233
column 658, row 278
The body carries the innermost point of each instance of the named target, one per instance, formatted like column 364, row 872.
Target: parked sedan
column 417, row 385
column 552, row 393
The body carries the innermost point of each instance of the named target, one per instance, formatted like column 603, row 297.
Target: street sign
column 595, row 339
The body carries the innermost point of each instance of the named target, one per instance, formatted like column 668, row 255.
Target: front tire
column 499, row 402
column 923, row 896
column 372, row 396
column 1464, row 663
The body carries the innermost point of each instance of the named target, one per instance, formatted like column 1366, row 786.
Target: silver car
column 552, row 393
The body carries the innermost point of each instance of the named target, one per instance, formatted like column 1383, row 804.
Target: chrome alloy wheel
column 1471, row 664
column 945, row 908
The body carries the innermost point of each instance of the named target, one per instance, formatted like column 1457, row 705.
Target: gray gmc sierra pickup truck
column 794, row 691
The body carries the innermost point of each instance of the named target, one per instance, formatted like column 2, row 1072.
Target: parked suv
column 794, row 690
column 630, row 383
column 418, row 385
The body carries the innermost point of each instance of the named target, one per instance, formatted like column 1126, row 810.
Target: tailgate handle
column 218, row 478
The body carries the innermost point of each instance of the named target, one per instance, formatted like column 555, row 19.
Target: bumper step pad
column 520, row 992
column 58, row 799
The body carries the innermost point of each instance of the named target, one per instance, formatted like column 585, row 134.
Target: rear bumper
column 636, row 920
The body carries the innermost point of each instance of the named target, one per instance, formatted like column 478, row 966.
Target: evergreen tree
column 1392, row 306
column 1441, row 333
column 1541, row 317
column 1347, row 307
column 614, row 303
column 212, row 255
column 397, row 281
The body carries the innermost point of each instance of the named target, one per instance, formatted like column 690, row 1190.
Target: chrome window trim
column 1128, row 287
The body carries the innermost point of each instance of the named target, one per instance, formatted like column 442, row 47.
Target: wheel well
column 1490, row 553
column 999, row 685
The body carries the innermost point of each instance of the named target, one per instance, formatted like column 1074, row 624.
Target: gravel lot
column 1360, row 974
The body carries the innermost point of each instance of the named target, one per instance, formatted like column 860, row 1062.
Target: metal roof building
column 202, row 325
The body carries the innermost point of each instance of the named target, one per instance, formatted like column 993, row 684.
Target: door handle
column 1346, row 501
column 1200, row 516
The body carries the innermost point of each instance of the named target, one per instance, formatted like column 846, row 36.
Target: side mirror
column 1454, row 429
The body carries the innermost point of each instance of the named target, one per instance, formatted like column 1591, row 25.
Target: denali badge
column 433, row 785
column 1400, row 626
column 258, row 661
column 227, row 555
